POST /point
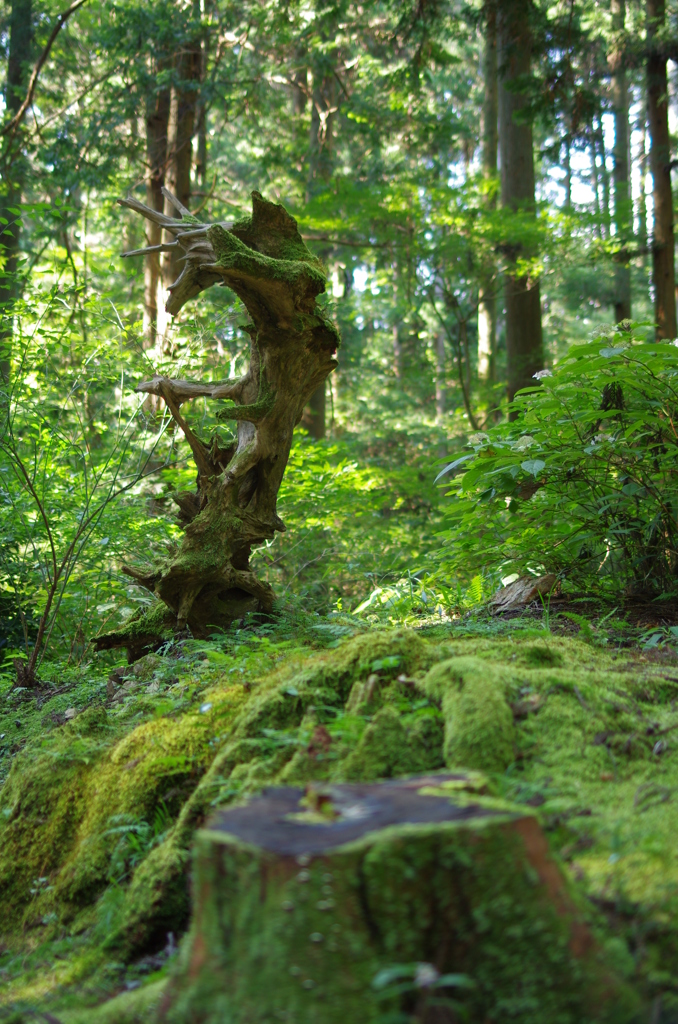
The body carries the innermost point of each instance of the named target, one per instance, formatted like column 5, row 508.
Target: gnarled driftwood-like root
column 207, row 582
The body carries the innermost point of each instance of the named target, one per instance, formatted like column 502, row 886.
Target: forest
column 338, row 512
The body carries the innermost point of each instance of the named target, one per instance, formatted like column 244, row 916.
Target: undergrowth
column 100, row 806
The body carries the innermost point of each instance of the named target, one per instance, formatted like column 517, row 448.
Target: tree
column 181, row 126
column 13, row 171
column 207, row 582
column 524, row 352
column 623, row 217
column 487, row 302
column 157, row 120
column 663, row 271
column 320, row 152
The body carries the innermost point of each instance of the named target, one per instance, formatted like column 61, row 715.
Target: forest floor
column 106, row 778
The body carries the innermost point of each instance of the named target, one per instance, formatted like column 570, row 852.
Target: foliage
column 75, row 449
column 583, row 481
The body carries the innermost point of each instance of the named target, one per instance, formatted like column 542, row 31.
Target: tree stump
column 342, row 903
column 208, row 583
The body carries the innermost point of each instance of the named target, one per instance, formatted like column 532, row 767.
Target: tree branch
column 12, row 125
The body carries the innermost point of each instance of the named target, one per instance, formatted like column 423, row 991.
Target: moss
column 141, row 631
column 233, row 254
column 579, row 750
column 387, row 749
column 478, row 721
column 306, row 946
column 136, row 1007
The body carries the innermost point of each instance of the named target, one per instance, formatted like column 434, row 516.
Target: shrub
column 583, row 482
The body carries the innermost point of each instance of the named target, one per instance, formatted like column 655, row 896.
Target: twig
column 577, row 693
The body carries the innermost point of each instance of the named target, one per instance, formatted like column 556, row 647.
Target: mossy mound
column 99, row 812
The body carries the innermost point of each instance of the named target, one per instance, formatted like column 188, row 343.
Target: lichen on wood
column 207, row 582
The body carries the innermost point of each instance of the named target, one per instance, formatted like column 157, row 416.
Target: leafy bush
column 584, row 481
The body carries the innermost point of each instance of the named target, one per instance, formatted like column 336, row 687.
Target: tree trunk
column 642, row 170
column 157, row 119
column 623, row 212
column 595, row 185
column 207, row 583
column 568, row 172
column 440, row 378
column 307, row 903
column 605, row 176
column 181, row 128
column 487, row 300
column 315, row 413
column 13, row 174
column 323, row 109
column 660, row 164
column 323, row 106
column 524, row 349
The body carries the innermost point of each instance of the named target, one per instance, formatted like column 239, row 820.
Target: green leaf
column 533, row 466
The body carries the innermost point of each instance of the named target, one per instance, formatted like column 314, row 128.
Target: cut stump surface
column 306, row 903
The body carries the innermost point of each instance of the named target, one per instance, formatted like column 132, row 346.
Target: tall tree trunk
column 157, row 118
column 13, row 173
column 440, row 378
column 524, row 347
column 487, row 301
column 568, row 171
column 605, row 176
column 181, row 128
column 324, row 96
column 663, row 273
column 623, row 215
column 595, row 184
column 323, row 108
column 642, row 170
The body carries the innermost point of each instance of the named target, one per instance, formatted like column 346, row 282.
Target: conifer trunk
column 323, row 106
column 663, row 273
column 524, row 349
column 441, row 396
column 623, row 216
column 181, row 128
column 605, row 177
column 207, row 582
column 13, row 173
column 157, row 119
column 487, row 301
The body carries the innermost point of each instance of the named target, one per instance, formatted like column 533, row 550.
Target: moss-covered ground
column 104, row 783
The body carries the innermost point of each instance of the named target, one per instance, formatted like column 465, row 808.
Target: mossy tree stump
column 207, row 582
column 302, row 900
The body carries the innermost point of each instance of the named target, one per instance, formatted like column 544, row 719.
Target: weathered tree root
column 207, row 583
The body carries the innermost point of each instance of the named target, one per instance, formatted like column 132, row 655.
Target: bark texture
column 157, row 120
column 623, row 212
column 13, row 172
column 663, row 272
column 208, row 581
column 302, row 898
column 524, row 349
column 487, row 301
column 181, row 128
